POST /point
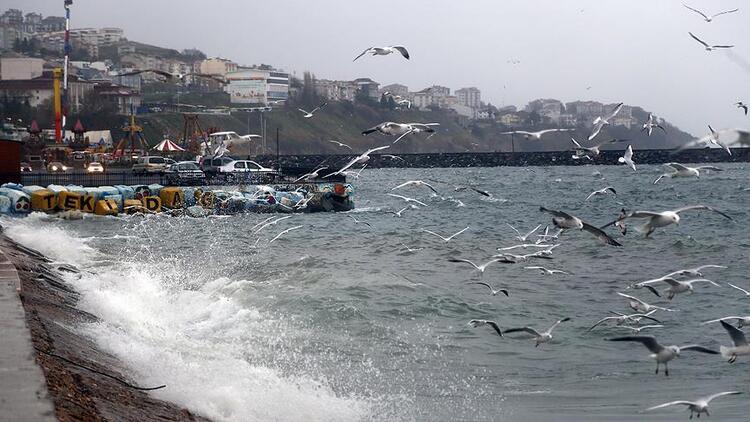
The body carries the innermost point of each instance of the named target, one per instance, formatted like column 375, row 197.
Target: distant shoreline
column 514, row 159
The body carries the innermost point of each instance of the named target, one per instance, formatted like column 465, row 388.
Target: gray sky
column 638, row 52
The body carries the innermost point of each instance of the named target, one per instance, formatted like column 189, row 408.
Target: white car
column 245, row 166
column 95, row 167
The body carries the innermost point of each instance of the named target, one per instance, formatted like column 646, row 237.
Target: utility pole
column 278, row 156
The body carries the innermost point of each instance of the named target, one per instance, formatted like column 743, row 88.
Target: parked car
column 57, row 167
column 246, row 168
column 184, row 173
column 150, row 164
column 94, row 167
column 25, row 168
column 211, row 165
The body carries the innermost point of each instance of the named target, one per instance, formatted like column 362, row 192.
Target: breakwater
column 516, row 159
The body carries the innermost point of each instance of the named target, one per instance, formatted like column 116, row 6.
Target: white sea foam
column 197, row 342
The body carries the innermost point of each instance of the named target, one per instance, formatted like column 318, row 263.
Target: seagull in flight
column 709, row 47
column 600, row 121
column 312, row 175
column 741, row 105
column 639, row 329
column 676, row 287
column 740, row 289
column 534, row 135
column 479, row 322
column 664, row 354
column 621, row 319
column 411, row 250
column 361, row 159
column 384, row 51
column 709, row 18
column 265, row 223
column 492, row 290
column 407, row 199
column 392, row 157
column 693, row 272
column 526, row 245
column 664, row 218
column 285, row 232
column 566, row 221
column 602, row 191
column 446, row 239
column 523, row 237
column 482, row 267
column 740, row 346
column 359, row 221
column 546, row 271
column 401, row 211
column 309, row 114
column 650, row 125
column 627, row 158
column 681, row 170
column 416, row 183
column 696, row 407
column 341, row 144
column 401, row 129
column 591, row 152
column 543, row 337
column 641, row 306
column 741, row 320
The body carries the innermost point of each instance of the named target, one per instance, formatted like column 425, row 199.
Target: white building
column 15, row 68
column 470, row 97
column 257, row 86
column 396, row 89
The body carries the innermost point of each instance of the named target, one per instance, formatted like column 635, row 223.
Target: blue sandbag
column 155, row 189
column 28, row 190
column 109, row 191
column 97, row 193
column 20, row 203
column 4, row 205
column 125, row 191
column 76, row 189
column 14, row 186
column 57, row 189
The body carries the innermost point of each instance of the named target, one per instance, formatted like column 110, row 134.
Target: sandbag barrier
column 19, row 200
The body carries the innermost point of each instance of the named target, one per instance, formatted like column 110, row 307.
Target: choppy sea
column 338, row 321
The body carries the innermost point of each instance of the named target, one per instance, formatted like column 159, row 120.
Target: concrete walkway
column 23, row 391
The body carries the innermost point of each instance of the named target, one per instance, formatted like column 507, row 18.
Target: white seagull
column 664, row 218
column 740, row 346
column 650, row 125
column 384, row 51
column 600, row 121
column 492, row 290
column 709, row 47
column 627, row 158
column 523, row 237
column 361, row 159
column 709, row 18
column 681, row 170
column 639, row 329
column 341, row 144
column 540, row 338
column 479, row 322
column 698, row 406
column 694, row 272
column 590, row 152
column 401, row 129
column 407, row 199
column 525, row 246
column 312, row 175
column 411, row 250
column 416, row 183
column 566, row 221
column 482, row 267
column 309, row 114
column 359, row 221
column 546, row 271
column 534, row 135
column 401, row 211
column 741, row 320
column 639, row 305
column 740, row 289
column 676, row 287
column 446, row 239
column 621, row 319
column 602, row 191
column 265, row 223
column 664, row 354
column 285, row 232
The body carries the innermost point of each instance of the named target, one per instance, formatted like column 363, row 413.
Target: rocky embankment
column 84, row 383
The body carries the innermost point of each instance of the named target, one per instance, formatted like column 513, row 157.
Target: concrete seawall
column 517, row 159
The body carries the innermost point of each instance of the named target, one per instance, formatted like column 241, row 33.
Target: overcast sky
column 638, row 52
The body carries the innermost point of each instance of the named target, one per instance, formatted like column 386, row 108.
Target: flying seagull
column 694, row 272
column 361, row 159
column 650, row 125
column 411, row 250
column 312, row 175
column 446, row 239
column 309, row 114
column 681, row 170
column 627, row 158
column 492, row 290
column 546, row 271
column 664, row 218
column 620, row 319
column 384, row 51
column 676, row 287
column 265, row 223
column 640, row 328
column 741, row 320
column 534, row 135
column 401, row 211
column 407, row 199
column 713, row 138
column 401, row 129
column 479, row 322
column 602, row 191
column 640, row 305
column 416, row 183
column 664, row 354
column 741, row 105
column 738, row 340
column 709, row 18
column 341, row 144
column 740, row 289
column 523, row 237
column 566, row 221
column 696, row 407
column 393, row 157
column 359, row 221
column 594, row 151
column 600, row 121
column 482, row 267
column 540, row 338
column 709, row 47
column 285, row 232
